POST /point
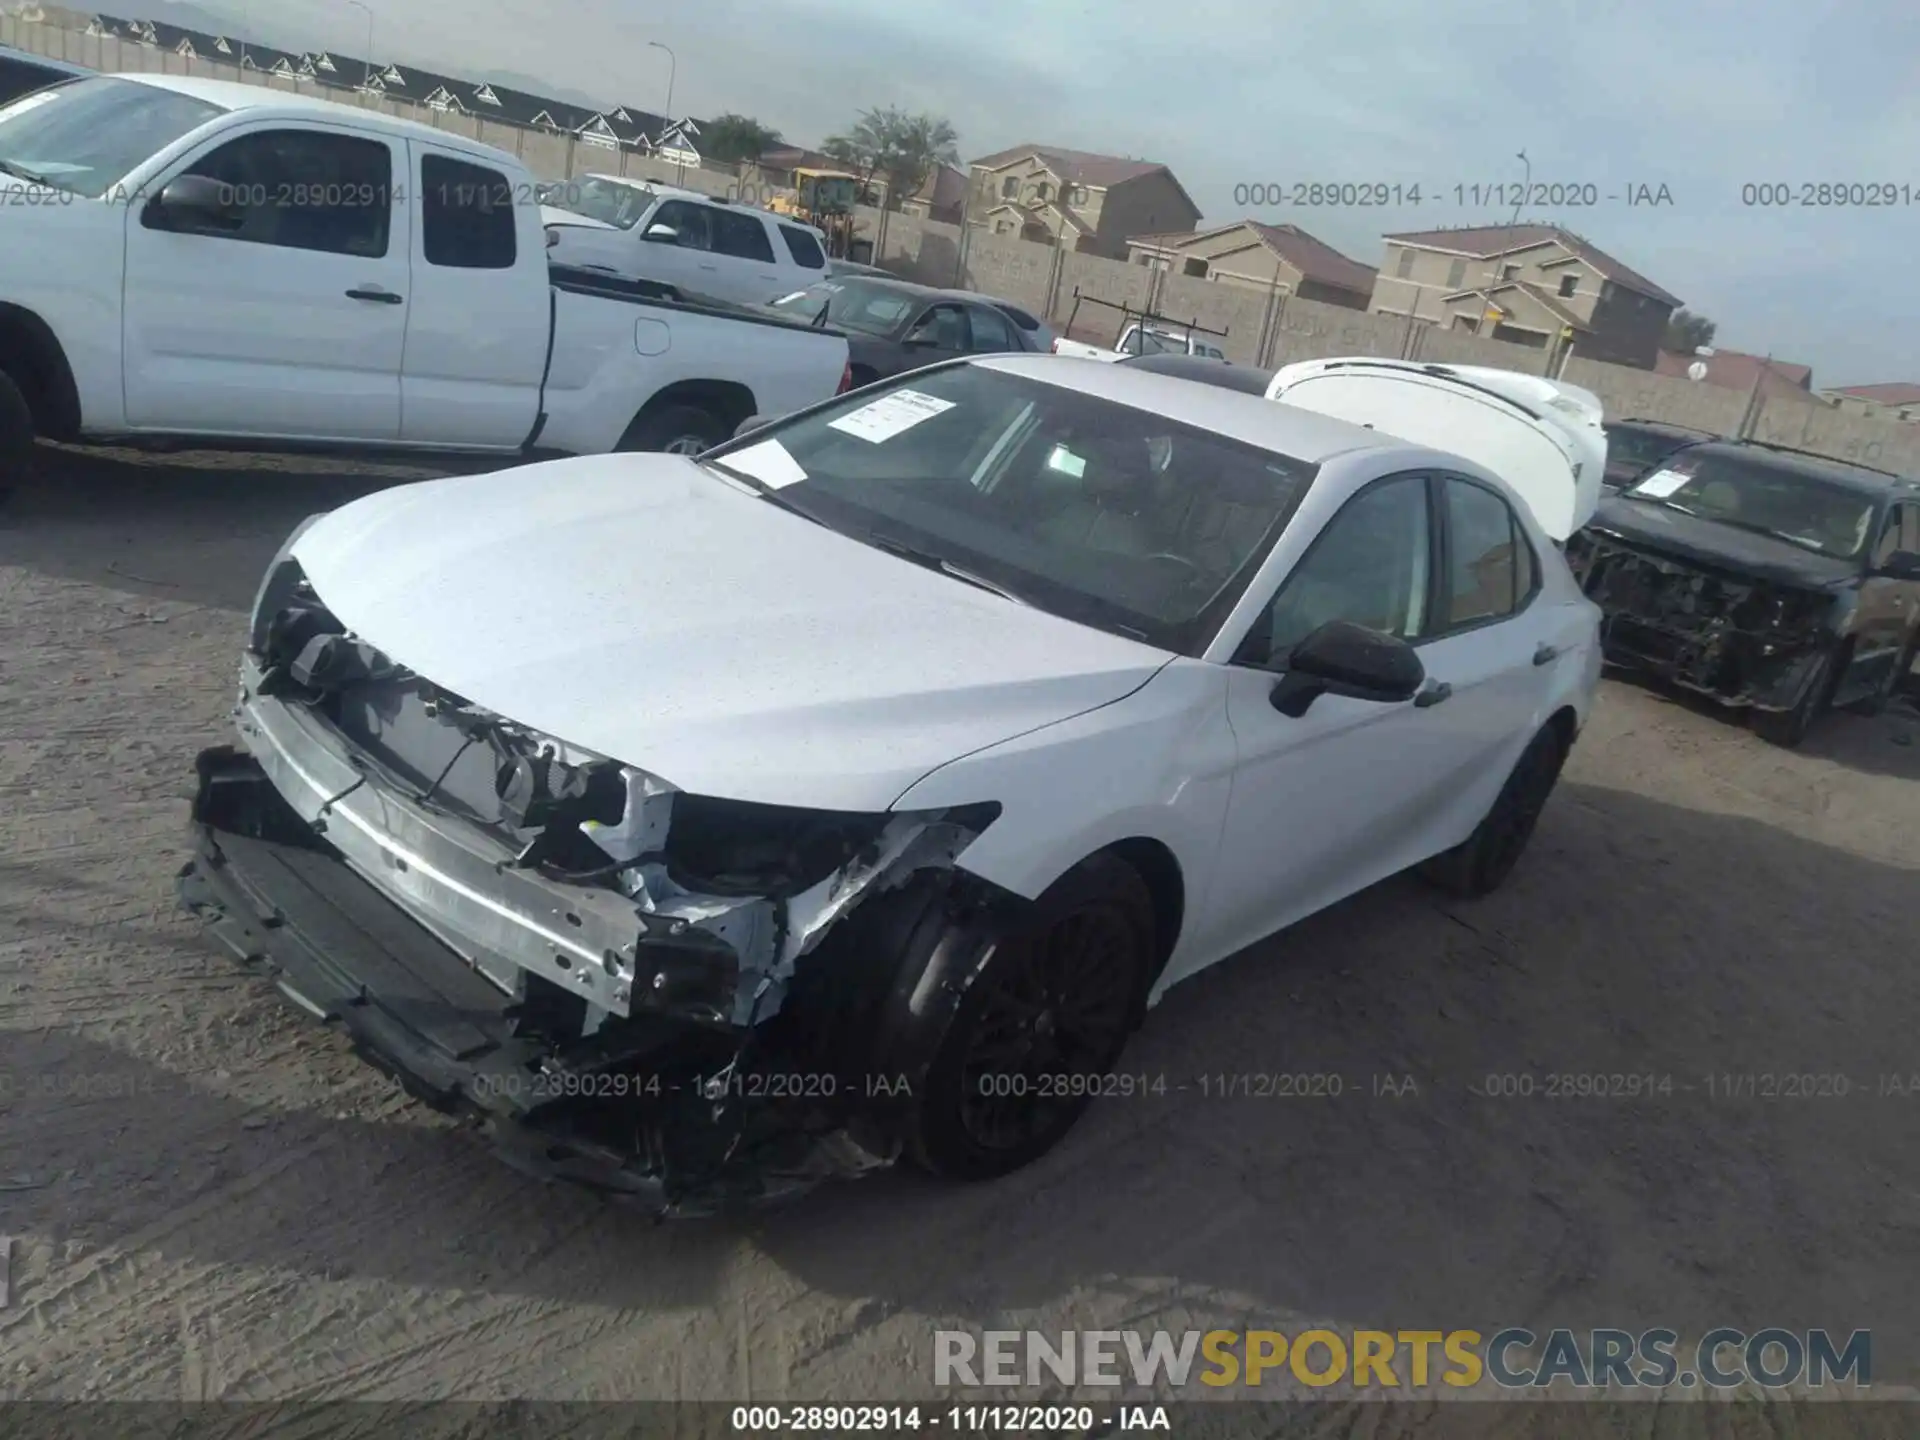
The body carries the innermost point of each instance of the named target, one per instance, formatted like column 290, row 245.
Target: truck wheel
column 16, row 432
column 676, row 430
column 1040, row 1023
column 1876, row 703
column 1787, row 728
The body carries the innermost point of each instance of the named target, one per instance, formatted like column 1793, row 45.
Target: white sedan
column 709, row 826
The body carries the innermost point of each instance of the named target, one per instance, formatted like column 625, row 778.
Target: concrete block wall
column 1261, row 329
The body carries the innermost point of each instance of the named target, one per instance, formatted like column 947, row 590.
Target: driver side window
column 1372, row 565
column 688, row 220
column 943, row 326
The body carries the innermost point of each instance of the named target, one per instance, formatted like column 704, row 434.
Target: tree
column 896, row 147
column 1687, row 332
column 736, row 139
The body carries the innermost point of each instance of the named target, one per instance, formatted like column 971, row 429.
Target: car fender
column 1157, row 766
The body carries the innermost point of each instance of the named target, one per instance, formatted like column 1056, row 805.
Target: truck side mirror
column 194, row 202
column 664, row 233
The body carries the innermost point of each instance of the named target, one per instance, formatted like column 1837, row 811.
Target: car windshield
column 611, row 202
column 1155, row 342
column 86, row 136
column 1106, row 514
column 1770, row 500
column 1628, row 446
column 852, row 305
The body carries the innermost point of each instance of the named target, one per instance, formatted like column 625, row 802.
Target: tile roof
column 1898, row 392
column 1311, row 256
column 1076, row 167
column 1735, row 370
column 1483, row 242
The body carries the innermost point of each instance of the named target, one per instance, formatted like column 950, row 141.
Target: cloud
column 1702, row 97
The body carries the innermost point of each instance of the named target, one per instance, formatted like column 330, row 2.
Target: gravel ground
column 209, row 1197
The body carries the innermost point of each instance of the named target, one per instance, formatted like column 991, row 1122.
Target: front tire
column 1041, row 1021
column 676, row 430
column 1788, row 728
column 1481, row 863
column 1876, row 703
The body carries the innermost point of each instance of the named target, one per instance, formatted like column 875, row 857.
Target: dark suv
column 1764, row 577
column 1635, row 446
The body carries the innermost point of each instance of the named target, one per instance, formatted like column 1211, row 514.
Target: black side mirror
column 1341, row 658
column 194, row 200
column 1901, row 565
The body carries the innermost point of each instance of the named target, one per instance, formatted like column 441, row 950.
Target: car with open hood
column 707, row 826
column 1771, row 579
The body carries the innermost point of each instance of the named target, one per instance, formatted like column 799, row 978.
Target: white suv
column 696, row 243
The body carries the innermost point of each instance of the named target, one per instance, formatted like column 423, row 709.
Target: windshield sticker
column 1662, row 483
column 890, row 415
column 768, row 462
column 1066, row 462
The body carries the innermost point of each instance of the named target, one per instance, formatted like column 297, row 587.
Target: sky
column 1703, row 98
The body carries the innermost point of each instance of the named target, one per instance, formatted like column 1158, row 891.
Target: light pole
column 1526, row 184
column 366, row 77
column 673, row 64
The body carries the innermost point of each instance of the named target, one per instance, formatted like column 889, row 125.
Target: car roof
column 1252, row 419
column 1860, row 478
column 49, row 63
column 1205, row 370
column 265, row 102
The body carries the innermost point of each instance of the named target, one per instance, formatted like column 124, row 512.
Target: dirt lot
column 209, row 1197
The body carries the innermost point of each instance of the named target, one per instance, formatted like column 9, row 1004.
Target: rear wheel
column 1787, row 728
column 1479, row 864
column 1041, row 1022
column 676, row 430
column 16, row 432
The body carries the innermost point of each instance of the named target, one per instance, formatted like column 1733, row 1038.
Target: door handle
column 1546, row 654
column 373, row 292
column 1432, row 695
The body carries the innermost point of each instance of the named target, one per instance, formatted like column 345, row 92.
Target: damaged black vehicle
column 1771, row 579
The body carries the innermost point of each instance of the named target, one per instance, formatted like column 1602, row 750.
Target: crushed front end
column 1739, row 639
column 665, row 997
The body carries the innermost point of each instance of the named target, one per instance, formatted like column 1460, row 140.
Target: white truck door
column 476, row 343
column 277, row 306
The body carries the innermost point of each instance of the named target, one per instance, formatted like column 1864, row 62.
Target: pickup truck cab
column 196, row 259
column 696, row 243
column 1139, row 339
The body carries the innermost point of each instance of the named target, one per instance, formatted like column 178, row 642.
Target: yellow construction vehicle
column 823, row 199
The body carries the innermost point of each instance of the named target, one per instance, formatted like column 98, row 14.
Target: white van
column 1542, row 436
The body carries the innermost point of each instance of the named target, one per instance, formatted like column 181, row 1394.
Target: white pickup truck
column 194, row 260
column 1139, row 339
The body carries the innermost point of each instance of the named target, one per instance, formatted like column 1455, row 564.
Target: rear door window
column 803, row 247
column 741, row 236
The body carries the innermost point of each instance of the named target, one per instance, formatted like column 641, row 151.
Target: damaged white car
column 707, row 827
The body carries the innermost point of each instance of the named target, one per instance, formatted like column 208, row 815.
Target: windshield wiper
column 21, row 172
column 945, row 566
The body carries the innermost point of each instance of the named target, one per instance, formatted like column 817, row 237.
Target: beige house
column 942, row 196
column 1896, row 401
column 1260, row 257
column 1537, row 285
column 1085, row 202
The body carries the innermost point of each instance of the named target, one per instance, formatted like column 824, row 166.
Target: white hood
column 640, row 607
column 1555, row 463
column 554, row 215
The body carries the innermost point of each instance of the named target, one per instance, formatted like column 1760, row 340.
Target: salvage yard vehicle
column 1141, row 333
column 960, row 718
column 194, row 260
column 1636, row 446
column 1772, row 579
column 699, row 244
column 22, row 72
column 893, row 326
column 1541, row 436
